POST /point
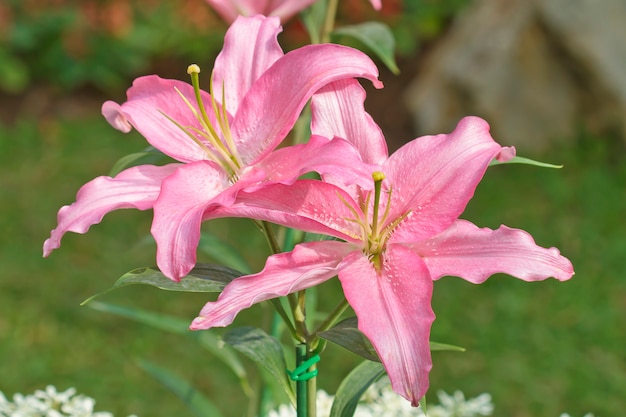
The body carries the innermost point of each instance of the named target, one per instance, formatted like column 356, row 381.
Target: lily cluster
column 394, row 219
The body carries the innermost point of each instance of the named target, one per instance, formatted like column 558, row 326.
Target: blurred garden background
column 540, row 349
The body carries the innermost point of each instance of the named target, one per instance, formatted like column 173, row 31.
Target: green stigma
column 378, row 176
column 193, row 69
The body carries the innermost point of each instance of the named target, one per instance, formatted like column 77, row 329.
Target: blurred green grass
column 539, row 349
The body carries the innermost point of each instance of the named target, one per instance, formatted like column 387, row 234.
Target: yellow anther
column 193, row 69
column 378, row 175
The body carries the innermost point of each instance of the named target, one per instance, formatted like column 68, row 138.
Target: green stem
column 311, row 387
column 329, row 21
column 301, row 386
column 328, row 322
column 267, row 230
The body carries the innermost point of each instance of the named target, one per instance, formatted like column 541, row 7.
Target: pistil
column 224, row 151
column 378, row 180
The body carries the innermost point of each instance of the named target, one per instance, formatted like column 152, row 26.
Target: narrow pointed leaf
column 208, row 340
column 377, row 37
column 202, row 278
column 434, row 346
column 195, row 401
column 525, row 161
column 347, row 335
column 265, row 350
column 353, row 386
column 150, row 156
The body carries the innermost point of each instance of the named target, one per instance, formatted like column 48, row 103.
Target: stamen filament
column 192, row 137
column 228, row 149
column 225, row 126
column 210, row 135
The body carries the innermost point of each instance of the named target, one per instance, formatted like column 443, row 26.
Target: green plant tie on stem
column 301, row 375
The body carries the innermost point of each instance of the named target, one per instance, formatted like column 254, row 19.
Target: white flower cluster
column 567, row 415
column 381, row 401
column 50, row 403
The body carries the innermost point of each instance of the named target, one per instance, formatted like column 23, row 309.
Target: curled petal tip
column 113, row 113
column 506, row 154
column 48, row 246
column 197, row 323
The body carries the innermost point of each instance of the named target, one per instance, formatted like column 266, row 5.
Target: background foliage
column 540, row 349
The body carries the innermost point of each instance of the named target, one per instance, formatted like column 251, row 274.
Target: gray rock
column 535, row 70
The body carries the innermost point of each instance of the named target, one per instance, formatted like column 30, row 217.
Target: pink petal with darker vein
column 309, row 264
column 474, row 254
column 393, row 310
column 136, row 187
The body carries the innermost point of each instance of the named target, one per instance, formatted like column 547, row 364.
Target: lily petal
column 178, row 212
column 137, row 187
column 337, row 157
column 474, row 254
column 308, row 205
column 250, row 48
column 393, row 310
column 230, row 9
column 114, row 114
column 288, row 8
column 338, row 110
column 377, row 4
column 309, row 264
column 150, row 100
column 434, row 177
column 273, row 104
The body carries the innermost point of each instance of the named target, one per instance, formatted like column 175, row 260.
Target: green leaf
column 150, row 156
column 353, row 386
column 14, row 73
column 208, row 340
column 202, row 278
column 195, row 401
column 313, row 19
column 265, row 350
column 422, row 404
column 347, row 335
column 525, row 161
column 377, row 37
column 434, row 346
column 221, row 251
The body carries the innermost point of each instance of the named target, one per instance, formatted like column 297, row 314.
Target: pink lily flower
column 285, row 9
column 224, row 144
column 397, row 236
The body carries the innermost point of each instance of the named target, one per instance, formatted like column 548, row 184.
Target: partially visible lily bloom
column 397, row 236
column 224, row 141
column 285, row 9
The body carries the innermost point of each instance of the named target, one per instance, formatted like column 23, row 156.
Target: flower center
column 213, row 137
column 375, row 233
